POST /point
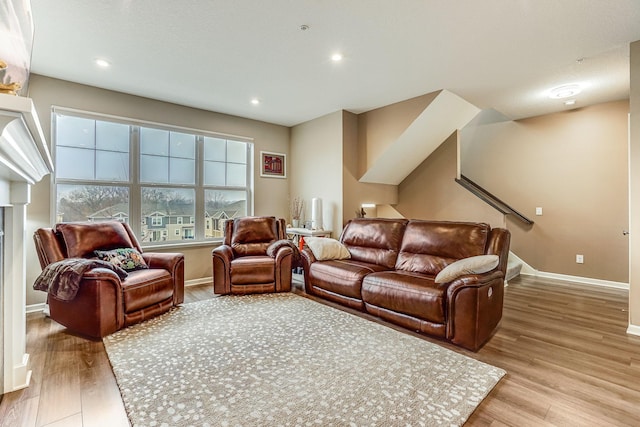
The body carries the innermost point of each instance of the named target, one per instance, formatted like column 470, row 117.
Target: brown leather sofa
column 255, row 257
column 392, row 269
column 104, row 303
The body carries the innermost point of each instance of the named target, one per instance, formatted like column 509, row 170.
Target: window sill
column 181, row 245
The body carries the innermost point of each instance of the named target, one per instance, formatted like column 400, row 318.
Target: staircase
column 514, row 266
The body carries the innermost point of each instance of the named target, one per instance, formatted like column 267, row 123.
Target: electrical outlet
column 580, row 259
column 539, row 211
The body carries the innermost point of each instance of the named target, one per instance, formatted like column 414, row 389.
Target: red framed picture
column 273, row 165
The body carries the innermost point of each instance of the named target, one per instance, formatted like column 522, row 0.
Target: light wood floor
column 564, row 346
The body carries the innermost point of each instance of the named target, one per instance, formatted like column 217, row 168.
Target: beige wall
column 356, row 193
column 316, row 167
column 381, row 127
column 634, row 182
column 572, row 164
column 430, row 191
column 269, row 193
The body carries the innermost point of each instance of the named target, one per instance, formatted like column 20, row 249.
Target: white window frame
column 135, row 217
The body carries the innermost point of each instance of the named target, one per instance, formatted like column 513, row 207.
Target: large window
column 169, row 184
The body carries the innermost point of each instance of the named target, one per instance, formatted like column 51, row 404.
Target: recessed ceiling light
column 255, row 101
column 570, row 102
column 565, row 91
column 102, row 63
column 336, row 57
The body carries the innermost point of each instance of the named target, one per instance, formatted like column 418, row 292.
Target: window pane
column 92, row 203
column 154, row 141
column 112, row 136
column 214, row 173
column 236, row 175
column 183, row 171
column 74, row 163
column 75, row 131
column 220, row 206
column 183, row 145
column 236, row 152
column 215, row 149
column 154, row 169
column 112, row 166
column 161, row 208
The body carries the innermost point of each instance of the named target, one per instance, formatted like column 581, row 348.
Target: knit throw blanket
column 62, row 279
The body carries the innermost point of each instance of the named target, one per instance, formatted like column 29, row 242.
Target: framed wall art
column 273, row 165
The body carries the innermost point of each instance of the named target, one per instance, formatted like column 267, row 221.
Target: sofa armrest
column 173, row 262
column 222, row 257
column 474, row 304
column 307, row 257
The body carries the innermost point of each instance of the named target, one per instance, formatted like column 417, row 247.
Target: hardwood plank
column 72, row 421
column 102, row 404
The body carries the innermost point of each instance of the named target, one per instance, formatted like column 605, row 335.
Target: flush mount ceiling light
column 255, row 101
column 102, row 62
column 336, row 57
column 565, row 91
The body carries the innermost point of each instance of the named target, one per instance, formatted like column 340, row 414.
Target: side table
column 297, row 235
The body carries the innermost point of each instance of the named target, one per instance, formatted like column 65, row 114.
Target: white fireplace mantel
column 24, row 160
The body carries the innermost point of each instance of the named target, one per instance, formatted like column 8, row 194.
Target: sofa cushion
column 429, row 246
column 374, row 240
column 472, row 265
column 412, row 294
column 326, row 249
column 342, row 277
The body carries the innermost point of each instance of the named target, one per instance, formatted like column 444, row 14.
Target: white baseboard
column 201, row 281
column 36, row 308
column 633, row 330
column 579, row 279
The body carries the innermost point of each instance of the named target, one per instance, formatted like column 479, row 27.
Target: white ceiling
column 219, row 54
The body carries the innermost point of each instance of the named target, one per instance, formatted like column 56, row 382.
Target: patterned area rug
column 285, row 360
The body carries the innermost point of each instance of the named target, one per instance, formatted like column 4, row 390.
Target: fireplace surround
column 24, row 160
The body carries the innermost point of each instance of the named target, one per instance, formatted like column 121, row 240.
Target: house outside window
column 152, row 176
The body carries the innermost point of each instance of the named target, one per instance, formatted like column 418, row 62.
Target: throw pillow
column 324, row 248
column 128, row 259
column 472, row 265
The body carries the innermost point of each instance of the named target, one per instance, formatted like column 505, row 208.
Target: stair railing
column 492, row 200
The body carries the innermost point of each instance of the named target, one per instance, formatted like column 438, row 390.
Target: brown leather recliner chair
column 104, row 303
column 255, row 257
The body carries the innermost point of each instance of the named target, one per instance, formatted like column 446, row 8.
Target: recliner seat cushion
column 412, row 294
column 143, row 288
column 252, row 270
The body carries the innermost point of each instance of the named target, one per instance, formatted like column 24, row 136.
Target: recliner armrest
column 164, row 260
column 282, row 245
column 222, row 257
column 173, row 262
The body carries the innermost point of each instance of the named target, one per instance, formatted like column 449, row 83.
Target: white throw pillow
column 472, row 265
column 324, row 248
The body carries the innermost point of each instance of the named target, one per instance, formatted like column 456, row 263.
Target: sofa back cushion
column 429, row 246
column 374, row 240
column 252, row 235
column 82, row 238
